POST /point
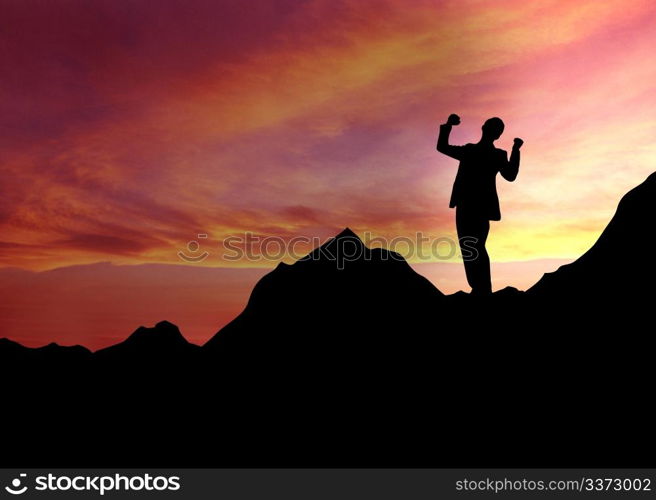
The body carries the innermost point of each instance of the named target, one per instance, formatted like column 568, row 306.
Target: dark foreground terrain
column 369, row 365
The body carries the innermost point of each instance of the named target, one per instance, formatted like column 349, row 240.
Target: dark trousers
column 472, row 235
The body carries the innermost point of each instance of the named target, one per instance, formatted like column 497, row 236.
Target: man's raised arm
column 443, row 145
column 511, row 169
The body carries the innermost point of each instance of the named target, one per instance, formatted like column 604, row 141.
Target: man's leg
column 482, row 264
column 472, row 235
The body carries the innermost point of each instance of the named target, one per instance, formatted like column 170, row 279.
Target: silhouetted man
column 474, row 194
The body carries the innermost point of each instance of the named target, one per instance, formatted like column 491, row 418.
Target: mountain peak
column 347, row 233
column 346, row 245
column 345, row 241
column 159, row 342
column 164, row 332
column 167, row 325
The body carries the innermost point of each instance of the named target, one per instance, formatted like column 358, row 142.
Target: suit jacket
column 475, row 188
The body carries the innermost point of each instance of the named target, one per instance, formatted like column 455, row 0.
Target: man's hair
column 493, row 127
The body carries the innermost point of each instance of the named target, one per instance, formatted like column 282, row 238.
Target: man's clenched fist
column 453, row 120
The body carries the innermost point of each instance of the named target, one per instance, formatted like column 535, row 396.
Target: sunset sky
column 130, row 127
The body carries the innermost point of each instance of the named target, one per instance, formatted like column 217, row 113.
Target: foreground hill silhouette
column 360, row 361
column 342, row 308
column 621, row 264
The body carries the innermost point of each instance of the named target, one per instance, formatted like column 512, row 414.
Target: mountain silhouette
column 53, row 355
column 621, row 263
column 163, row 342
column 342, row 301
column 348, row 357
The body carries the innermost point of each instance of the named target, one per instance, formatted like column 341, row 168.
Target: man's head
column 493, row 128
